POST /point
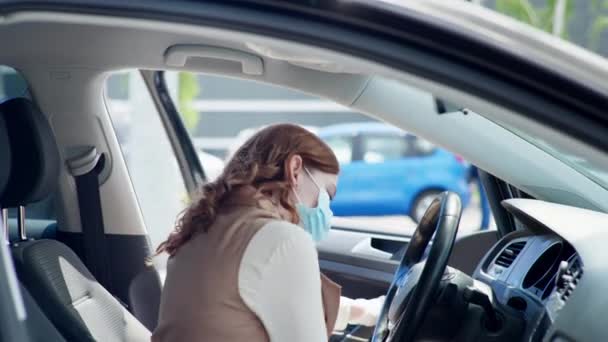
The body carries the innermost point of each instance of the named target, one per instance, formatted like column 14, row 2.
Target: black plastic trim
column 496, row 193
column 185, row 152
column 181, row 133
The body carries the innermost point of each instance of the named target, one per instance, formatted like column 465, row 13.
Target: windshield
column 584, row 23
column 577, row 162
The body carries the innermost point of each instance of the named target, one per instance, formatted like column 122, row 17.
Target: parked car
column 387, row 171
column 247, row 133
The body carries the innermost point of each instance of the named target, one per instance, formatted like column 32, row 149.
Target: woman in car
column 243, row 264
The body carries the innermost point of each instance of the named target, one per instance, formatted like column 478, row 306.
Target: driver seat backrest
column 79, row 307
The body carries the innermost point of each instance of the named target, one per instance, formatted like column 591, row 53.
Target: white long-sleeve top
column 279, row 281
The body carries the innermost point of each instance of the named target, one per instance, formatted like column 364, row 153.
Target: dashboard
column 550, row 276
column 552, row 273
column 533, row 276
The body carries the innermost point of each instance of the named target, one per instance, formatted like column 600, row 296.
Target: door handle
column 365, row 248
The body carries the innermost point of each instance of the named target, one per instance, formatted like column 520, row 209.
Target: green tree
column 521, row 10
column 188, row 91
column 599, row 9
column 544, row 17
column 547, row 17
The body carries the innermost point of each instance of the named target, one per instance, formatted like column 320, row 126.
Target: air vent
column 569, row 280
column 541, row 274
column 508, row 255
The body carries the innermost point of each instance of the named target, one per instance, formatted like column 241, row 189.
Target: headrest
column 5, row 156
column 35, row 157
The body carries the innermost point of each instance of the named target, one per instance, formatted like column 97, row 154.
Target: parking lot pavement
column 403, row 225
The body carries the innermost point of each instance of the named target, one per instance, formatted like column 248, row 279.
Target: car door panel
column 364, row 264
column 349, row 258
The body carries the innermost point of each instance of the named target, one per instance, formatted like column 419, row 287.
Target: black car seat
column 38, row 326
column 79, row 307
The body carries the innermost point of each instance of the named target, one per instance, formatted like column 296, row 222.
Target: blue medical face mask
column 316, row 221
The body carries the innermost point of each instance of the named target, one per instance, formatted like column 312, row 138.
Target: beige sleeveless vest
column 201, row 301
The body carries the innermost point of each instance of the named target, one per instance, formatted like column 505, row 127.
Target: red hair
column 262, row 162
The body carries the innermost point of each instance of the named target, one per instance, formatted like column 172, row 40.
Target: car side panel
column 371, row 189
column 441, row 171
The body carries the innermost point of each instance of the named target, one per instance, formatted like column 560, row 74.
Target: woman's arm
column 279, row 281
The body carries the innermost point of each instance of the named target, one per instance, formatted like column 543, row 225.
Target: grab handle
column 178, row 55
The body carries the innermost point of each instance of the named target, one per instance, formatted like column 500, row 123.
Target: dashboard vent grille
column 571, row 277
column 508, row 255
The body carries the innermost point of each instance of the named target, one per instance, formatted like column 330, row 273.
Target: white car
column 212, row 165
column 245, row 134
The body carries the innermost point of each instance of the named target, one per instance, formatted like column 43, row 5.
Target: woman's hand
column 366, row 311
column 358, row 312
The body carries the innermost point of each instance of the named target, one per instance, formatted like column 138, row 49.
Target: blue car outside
column 386, row 171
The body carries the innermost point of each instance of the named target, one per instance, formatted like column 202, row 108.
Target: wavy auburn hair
column 261, row 162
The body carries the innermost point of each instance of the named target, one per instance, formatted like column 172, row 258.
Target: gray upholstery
column 35, row 157
column 145, row 292
column 71, row 297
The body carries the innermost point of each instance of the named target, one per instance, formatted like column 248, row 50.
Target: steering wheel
column 416, row 282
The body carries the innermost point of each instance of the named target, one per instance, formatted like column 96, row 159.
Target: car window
column 378, row 149
column 13, row 84
column 342, row 147
column 570, row 157
column 420, row 146
column 41, row 210
column 221, row 113
column 148, row 153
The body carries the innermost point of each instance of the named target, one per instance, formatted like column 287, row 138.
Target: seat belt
column 86, row 166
